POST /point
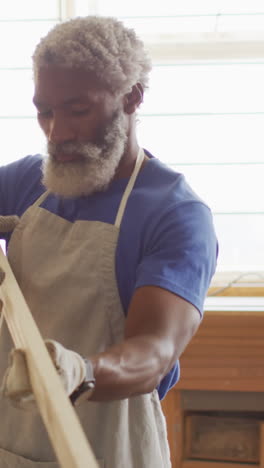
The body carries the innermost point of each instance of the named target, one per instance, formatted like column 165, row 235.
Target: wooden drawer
column 222, row 437
column 222, row 382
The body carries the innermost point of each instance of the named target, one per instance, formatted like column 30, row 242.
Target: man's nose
column 60, row 130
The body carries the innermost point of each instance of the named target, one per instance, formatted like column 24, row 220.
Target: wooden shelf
column 212, row 464
column 222, row 370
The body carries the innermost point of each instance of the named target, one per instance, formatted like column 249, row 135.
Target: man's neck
column 128, row 160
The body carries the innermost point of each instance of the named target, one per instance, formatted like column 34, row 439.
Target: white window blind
column 22, row 24
column 203, row 113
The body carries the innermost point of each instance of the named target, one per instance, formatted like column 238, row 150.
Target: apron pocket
column 11, row 460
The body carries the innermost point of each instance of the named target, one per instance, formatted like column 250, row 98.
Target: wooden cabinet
column 215, row 414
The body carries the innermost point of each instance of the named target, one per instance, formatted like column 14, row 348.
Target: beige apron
column 67, row 274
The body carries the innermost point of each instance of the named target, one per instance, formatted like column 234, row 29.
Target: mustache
column 102, row 141
column 86, row 151
column 78, row 148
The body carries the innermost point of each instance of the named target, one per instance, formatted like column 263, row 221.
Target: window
column 21, row 26
column 203, row 113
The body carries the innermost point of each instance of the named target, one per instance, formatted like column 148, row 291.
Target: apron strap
column 1, row 320
column 122, row 206
column 129, row 187
column 8, row 223
column 41, row 198
column 128, row 190
column 15, row 220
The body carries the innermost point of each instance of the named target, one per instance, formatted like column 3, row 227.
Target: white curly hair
column 102, row 45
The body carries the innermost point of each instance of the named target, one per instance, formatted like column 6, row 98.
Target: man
column 113, row 251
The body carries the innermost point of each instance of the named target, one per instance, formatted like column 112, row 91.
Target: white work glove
column 71, row 367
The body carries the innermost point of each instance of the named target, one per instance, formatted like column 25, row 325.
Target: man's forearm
column 132, row 367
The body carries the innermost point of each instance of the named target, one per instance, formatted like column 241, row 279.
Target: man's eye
column 80, row 111
column 44, row 114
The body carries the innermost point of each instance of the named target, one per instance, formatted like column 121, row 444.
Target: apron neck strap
column 128, row 190
column 41, row 198
column 129, row 187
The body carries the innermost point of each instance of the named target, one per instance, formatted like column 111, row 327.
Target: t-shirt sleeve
column 19, row 186
column 181, row 253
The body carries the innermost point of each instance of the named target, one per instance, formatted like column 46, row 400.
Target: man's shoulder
column 27, row 163
column 26, row 168
column 20, row 184
column 165, row 183
column 166, row 203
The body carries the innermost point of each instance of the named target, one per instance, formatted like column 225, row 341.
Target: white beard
column 96, row 168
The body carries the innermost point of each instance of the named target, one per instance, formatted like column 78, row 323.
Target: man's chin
column 90, row 174
column 73, row 189
column 72, row 180
column 65, row 158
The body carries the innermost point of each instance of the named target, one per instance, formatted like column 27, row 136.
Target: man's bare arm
column 158, row 327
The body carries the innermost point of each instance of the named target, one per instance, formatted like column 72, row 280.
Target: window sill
column 234, row 304
column 237, row 283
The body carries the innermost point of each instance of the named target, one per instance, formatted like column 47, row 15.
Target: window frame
column 216, row 46
column 181, row 47
column 187, row 46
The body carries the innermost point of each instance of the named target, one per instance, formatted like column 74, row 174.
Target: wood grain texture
column 222, row 438
column 172, row 408
column 212, row 464
column 261, row 454
column 222, row 369
column 65, row 432
column 227, row 353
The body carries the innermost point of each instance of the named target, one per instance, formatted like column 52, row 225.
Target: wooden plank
column 248, row 329
column 173, row 415
column 237, row 385
column 211, row 464
column 179, row 429
column 224, row 438
column 230, row 316
column 66, row 435
column 218, row 361
column 233, row 341
column 241, row 291
column 204, row 350
column 205, row 401
column 223, row 372
column 261, row 455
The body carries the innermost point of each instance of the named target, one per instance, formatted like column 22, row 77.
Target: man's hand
column 71, row 367
column 16, row 384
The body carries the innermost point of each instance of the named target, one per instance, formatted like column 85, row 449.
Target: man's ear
column 133, row 99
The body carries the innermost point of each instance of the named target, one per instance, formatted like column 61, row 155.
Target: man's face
column 85, row 128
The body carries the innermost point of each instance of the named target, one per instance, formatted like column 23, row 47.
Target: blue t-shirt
column 166, row 239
